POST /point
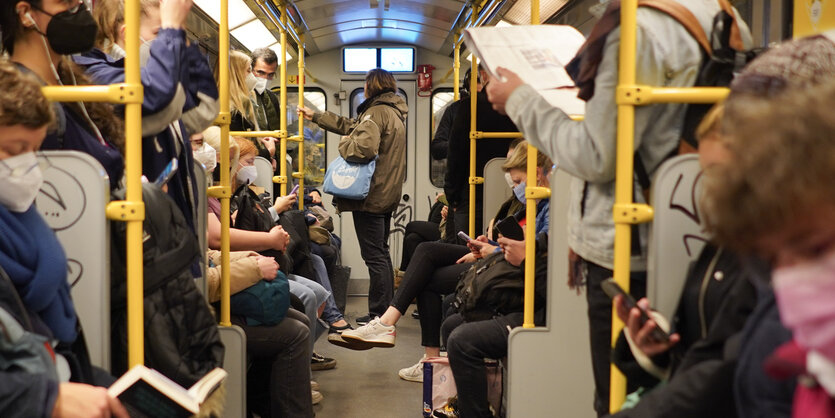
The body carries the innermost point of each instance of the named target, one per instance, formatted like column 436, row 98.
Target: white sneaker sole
column 336, row 339
column 418, row 379
column 361, row 342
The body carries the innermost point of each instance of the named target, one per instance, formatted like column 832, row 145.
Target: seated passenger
column 36, row 308
column 777, row 201
column 278, row 353
column 435, row 271
column 470, row 340
column 698, row 361
column 40, row 46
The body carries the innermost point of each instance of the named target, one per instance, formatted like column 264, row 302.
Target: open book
column 148, row 393
column 537, row 53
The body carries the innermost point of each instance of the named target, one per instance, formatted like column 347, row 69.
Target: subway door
column 358, row 285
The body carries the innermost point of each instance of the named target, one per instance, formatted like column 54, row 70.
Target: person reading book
column 148, row 393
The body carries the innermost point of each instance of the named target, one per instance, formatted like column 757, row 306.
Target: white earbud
column 31, row 20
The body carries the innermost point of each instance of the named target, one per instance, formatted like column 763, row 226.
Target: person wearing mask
column 39, row 36
column 35, row 303
column 667, row 56
column 267, row 107
column 179, row 94
column 378, row 132
column 242, row 85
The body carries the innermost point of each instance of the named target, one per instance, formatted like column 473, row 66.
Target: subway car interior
column 289, row 208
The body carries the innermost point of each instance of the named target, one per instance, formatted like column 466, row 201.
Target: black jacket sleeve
column 26, row 395
column 440, row 143
column 458, row 157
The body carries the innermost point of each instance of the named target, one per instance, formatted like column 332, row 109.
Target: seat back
column 677, row 233
column 495, row 189
column 72, row 200
column 265, row 176
column 201, row 222
column 234, row 362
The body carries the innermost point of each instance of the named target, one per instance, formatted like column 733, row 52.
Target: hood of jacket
column 387, row 98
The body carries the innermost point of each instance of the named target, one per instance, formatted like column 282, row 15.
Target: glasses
column 264, row 74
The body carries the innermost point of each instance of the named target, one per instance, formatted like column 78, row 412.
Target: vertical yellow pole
column 224, row 116
column 473, row 94
column 623, row 177
column 282, row 162
column 530, row 216
column 301, row 121
column 133, row 170
column 456, row 65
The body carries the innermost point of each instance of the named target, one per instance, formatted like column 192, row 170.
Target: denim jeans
column 313, row 295
column 373, row 235
column 331, row 313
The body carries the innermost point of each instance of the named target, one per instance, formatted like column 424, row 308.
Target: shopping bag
column 438, row 384
column 349, row 180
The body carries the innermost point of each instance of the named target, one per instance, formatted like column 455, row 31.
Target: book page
column 144, row 387
column 537, row 53
column 205, row 386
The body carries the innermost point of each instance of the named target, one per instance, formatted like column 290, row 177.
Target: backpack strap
column 736, row 38
column 685, row 17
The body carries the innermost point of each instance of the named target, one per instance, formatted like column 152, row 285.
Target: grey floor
column 365, row 383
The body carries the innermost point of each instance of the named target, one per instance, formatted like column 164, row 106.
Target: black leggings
column 431, row 274
column 416, row 233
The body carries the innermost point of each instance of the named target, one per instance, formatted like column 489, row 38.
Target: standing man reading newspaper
column 667, row 56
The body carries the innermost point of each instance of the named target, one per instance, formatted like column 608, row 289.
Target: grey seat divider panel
column 72, row 200
column 549, row 368
column 495, row 189
column 265, row 176
column 201, row 224
column 676, row 235
column 234, row 362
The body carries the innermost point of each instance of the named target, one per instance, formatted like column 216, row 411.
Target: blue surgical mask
column 519, row 191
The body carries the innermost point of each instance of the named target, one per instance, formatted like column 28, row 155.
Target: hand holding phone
column 295, row 189
column 464, row 236
column 509, row 228
column 612, row 289
column 167, row 173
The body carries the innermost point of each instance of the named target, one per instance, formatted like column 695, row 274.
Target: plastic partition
column 265, row 176
column 676, row 234
column 200, row 178
column 550, row 367
column 72, row 200
column 495, row 190
column 234, row 362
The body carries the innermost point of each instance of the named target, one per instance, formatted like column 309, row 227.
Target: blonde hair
column 783, row 165
column 211, row 136
column 239, row 96
column 519, row 158
column 110, row 17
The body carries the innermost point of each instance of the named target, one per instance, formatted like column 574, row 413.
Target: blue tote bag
column 349, row 180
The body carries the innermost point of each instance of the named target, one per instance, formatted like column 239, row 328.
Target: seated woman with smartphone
column 434, row 271
column 698, row 360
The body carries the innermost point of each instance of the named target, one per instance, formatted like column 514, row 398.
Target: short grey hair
column 266, row 55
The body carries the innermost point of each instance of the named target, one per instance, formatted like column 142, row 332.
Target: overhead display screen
column 396, row 60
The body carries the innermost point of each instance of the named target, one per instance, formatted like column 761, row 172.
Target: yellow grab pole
column 456, row 66
column 133, row 170
column 623, row 179
column 282, row 161
column 301, row 122
column 473, row 93
column 498, row 135
column 530, row 216
column 224, row 193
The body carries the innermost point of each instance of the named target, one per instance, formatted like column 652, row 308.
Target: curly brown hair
column 21, row 100
column 783, row 167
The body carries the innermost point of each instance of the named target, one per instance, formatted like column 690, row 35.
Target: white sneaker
column 372, row 334
column 413, row 373
column 316, row 397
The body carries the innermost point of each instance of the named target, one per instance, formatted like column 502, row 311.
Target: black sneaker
column 320, row 362
column 415, row 314
column 366, row 319
column 338, row 330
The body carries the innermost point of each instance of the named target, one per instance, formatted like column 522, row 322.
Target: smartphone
column 167, row 173
column 509, row 227
column 295, row 189
column 612, row 289
column 464, row 236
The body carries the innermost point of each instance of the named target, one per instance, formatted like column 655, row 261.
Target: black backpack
column 252, row 215
column 491, row 287
column 181, row 337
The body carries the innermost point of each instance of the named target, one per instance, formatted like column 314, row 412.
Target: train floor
column 365, row 383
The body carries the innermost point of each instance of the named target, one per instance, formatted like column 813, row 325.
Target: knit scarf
column 34, row 259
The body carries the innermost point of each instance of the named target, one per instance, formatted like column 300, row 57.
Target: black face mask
column 71, row 32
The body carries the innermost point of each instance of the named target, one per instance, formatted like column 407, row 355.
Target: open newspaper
column 537, row 53
column 148, row 393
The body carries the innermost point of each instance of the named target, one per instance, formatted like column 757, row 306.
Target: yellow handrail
column 301, row 122
column 473, row 94
column 113, row 93
column 456, row 66
column 223, row 192
column 253, row 134
column 497, row 135
column 531, row 194
column 282, row 156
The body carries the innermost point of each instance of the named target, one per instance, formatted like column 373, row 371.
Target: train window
column 314, row 136
column 396, row 60
column 439, row 102
column 358, row 96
